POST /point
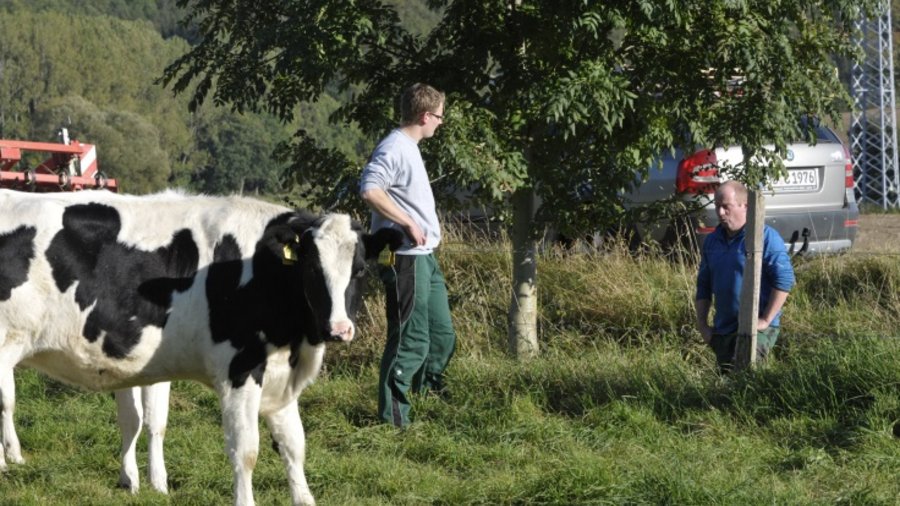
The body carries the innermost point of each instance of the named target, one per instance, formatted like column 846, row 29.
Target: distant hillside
column 163, row 14
column 92, row 66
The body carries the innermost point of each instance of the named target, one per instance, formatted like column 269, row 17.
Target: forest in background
column 92, row 66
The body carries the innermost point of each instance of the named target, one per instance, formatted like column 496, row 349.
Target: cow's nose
column 342, row 330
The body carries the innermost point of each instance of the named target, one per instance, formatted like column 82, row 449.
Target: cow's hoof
column 126, row 484
column 162, row 488
column 13, row 453
column 306, row 500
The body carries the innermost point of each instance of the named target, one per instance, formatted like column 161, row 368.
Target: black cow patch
column 269, row 309
column 227, row 249
column 16, row 253
column 129, row 288
column 229, row 313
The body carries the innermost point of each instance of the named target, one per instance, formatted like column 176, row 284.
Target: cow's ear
column 384, row 237
column 299, row 223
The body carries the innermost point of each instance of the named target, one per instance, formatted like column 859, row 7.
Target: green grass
column 622, row 407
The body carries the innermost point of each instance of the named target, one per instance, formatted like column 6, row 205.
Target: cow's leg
column 287, row 431
column 156, row 412
column 128, row 402
column 11, row 450
column 240, row 420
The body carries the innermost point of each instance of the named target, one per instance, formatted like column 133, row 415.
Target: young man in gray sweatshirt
column 395, row 185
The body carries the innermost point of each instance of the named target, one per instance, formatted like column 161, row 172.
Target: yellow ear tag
column 288, row 256
column 387, row 257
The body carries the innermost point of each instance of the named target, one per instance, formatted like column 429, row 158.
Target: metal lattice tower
column 873, row 133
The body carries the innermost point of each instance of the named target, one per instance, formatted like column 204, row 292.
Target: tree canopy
column 544, row 96
column 547, row 95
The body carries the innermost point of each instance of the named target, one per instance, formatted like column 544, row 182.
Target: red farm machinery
column 71, row 166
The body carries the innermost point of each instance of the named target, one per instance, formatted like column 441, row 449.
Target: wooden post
column 748, row 318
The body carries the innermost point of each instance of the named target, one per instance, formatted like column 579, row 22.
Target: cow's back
column 88, row 280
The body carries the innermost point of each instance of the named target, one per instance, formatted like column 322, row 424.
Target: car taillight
column 848, row 170
column 698, row 173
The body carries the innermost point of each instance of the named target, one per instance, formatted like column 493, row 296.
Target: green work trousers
column 420, row 337
column 724, row 346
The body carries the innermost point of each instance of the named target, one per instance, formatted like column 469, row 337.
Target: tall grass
column 622, row 407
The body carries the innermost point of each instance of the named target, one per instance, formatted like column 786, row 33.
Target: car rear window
column 822, row 133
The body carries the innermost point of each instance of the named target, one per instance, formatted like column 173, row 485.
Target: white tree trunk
column 523, row 343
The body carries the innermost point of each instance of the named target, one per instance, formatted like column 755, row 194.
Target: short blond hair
column 417, row 100
column 740, row 191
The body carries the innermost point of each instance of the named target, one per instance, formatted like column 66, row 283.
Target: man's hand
column 379, row 200
column 705, row 332
column 415, row 234
column 702, row 306
column 776, row 302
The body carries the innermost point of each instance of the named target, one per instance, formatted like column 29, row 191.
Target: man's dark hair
column 417, row 100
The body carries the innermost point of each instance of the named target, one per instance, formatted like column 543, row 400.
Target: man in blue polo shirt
column 721, row 274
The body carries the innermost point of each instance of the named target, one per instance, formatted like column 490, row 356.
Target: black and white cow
column 111, row 291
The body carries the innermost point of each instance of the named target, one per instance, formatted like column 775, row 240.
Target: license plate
column 799, row 180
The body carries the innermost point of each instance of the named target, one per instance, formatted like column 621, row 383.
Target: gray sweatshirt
column 396, row 167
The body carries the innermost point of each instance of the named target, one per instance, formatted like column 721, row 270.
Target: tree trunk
column 523, row 342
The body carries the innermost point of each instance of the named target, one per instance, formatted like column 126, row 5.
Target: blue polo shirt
column 721, row 275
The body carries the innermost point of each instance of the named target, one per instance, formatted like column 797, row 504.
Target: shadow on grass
column 825, row 395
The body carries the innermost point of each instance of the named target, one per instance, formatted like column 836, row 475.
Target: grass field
column 623, row 406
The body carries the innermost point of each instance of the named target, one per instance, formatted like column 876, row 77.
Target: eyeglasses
column 438, row 116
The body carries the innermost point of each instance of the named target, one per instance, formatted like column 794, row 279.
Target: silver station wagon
column 813, row 207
